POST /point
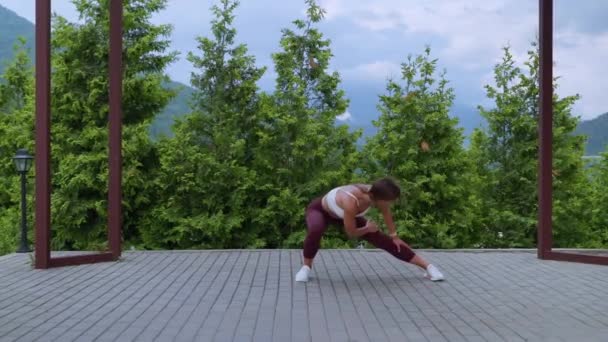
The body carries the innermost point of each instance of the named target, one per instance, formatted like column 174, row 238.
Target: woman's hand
column 399, row 243
column 371, row 227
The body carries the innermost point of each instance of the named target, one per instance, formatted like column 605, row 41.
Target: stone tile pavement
column 354, row 295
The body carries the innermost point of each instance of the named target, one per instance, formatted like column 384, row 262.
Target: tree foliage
column 303, row 150
column 599, row 200
column 241, row 166
column 420, row 145
column 80, row 118
column 507, row 156
column 205, row 180
column 16, row 131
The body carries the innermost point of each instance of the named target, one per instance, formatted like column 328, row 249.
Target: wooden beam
column 75, row 260
column 115, row 134
column 545, row 196
column 582, row 258
column 43, row 134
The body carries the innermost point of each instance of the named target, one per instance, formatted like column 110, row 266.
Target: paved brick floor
column 355, row 295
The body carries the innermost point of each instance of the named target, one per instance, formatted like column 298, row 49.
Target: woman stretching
column 346, row 206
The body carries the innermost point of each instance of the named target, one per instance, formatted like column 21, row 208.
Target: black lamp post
column 23, row 163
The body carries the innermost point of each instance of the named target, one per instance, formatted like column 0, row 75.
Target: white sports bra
column 333, row 205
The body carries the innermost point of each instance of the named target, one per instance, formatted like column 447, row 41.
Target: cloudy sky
column 371, row 38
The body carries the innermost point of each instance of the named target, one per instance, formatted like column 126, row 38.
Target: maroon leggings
column 317, row 220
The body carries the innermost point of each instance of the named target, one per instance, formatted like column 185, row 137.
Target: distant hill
column 12, row 26
column 597, row 132
column 178, row 107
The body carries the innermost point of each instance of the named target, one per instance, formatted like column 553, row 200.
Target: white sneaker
column 433, row 273
column 302, row 275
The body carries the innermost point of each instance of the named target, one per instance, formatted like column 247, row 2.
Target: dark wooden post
column 43, row 133
column 545, row 234
column 115, row 136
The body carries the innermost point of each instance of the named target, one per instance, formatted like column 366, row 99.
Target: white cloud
column 346, row 116
column 333, row 8
column 467, row 37
column 375, row 71
column 581, row 62
column 473, row 34
column 470, row 27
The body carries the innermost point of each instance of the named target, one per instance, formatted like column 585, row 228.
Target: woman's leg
column 383, row 241
column 316, row 222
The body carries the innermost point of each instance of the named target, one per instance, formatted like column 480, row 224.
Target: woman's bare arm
column 385, row 209
column 350, row 222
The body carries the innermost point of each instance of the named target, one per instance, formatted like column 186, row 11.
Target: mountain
column 363, row 109
column 178, row 107
column 597, row 132
column 12, row 27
